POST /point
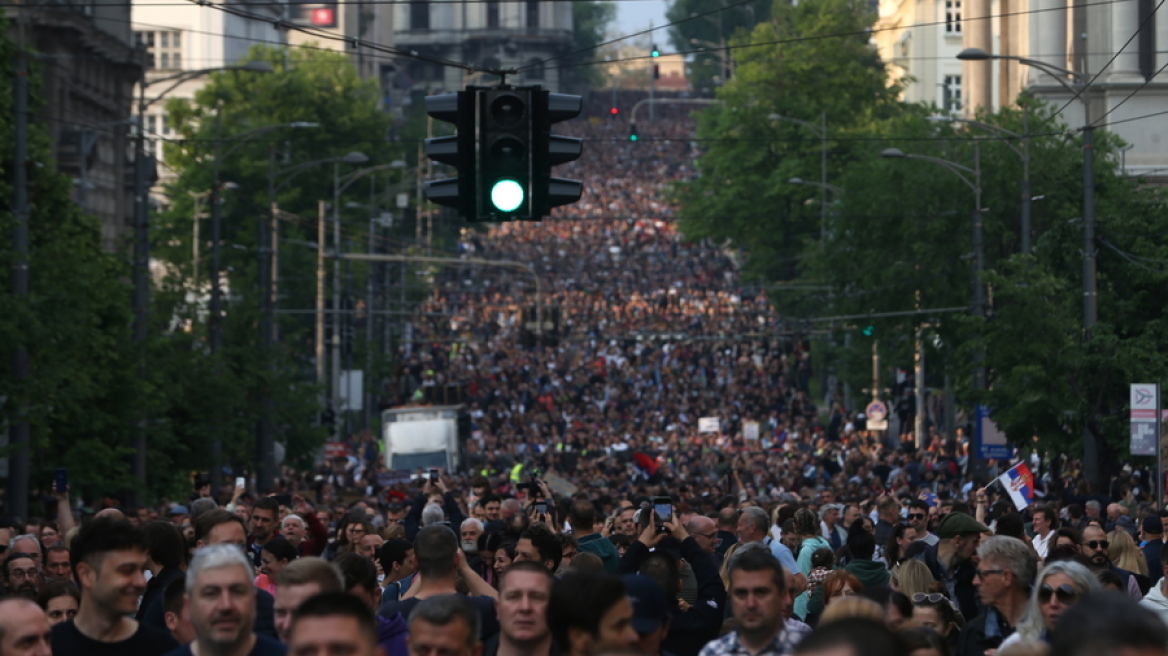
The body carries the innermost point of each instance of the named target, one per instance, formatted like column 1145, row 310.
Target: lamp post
column 1076, row 83
column 141, row 267
column 821, row 132
column 1078, row 87
column 964, row 173
column 1023, row 153
column 268, row 276
column 215, row 318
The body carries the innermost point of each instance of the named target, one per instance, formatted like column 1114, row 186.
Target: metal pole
column 1026, row 193
column 140, row 273
column 318, row 348
column 265, row 452
column 1090, row 298
column 214, row 324
column 335, row 343
column 18, row 467
column 919, row 381
column 371, row 276
column 822, row 176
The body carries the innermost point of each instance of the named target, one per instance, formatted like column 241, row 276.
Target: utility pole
column 337, row 320
column 322, row 208
column 18, row 466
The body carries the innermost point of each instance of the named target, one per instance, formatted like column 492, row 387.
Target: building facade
column 85, row 53
column 1120, row 47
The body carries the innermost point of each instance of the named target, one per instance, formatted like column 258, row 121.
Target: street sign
column 991, row 442
column 877, row 424
column 1145, row 408
column 876, row 411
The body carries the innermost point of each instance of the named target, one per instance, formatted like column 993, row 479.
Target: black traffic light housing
column 506, row 152
column 551, row 150
column 457, row 150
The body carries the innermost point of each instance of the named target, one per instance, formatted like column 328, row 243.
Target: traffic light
column 869, row 330
column 655, row 52
column 632, row 131
column 550, row 150
column 505, row 148
column 614, row 111
column 457, row 151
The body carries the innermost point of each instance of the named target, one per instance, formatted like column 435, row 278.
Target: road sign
column 876, row 411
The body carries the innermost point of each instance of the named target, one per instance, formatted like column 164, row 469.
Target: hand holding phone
column 663, row 509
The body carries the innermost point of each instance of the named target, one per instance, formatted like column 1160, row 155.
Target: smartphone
column 240, row 481
column 433, row 474
column 284, row 499
column 62, row 479
column 541, row 507
column 663, row 508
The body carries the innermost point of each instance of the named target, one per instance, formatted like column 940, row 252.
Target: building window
column 163, row 49
column 532, row 13
column 951, row 93
column 492, row 14
column 419, row 15
column 535, row 69
column 953, row 16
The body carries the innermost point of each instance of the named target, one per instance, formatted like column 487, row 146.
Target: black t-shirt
column 263, row 647
column 485, row 606
column 146, row 641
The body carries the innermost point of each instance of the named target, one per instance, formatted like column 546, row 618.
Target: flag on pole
column 1019, row 484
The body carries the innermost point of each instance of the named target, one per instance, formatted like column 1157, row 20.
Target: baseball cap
column 179, row 510
column 958, row 523
column 649, row 607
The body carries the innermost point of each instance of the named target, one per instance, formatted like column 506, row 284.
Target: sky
column 637, row 15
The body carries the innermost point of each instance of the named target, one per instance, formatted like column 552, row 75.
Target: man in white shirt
column 1044, row 523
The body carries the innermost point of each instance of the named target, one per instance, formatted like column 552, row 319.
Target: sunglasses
column 916, row 516
column 1066, row 593
column 1097, row 544
column 934, row 598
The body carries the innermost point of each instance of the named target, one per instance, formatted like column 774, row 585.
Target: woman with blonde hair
column 1124, row 553
column 912, row 577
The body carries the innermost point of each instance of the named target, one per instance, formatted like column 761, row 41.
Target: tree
column 229, row 119
column 706, row 26
column 590, row 23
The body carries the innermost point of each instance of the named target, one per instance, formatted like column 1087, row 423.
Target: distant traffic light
column 614, row 111
column 632, row 131
column 550, row 150
column 869, row 330
column 457, row 150
column 505, row 149
column 655, row 52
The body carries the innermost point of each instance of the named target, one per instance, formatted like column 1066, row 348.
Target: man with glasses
column 918, row 518
column 705, row 532
column 1094, row 548
column 22, row 576
column 1006, row 569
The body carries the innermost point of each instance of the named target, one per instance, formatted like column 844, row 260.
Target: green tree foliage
column 75, row 321
column 230, row 118
column 702, row 26
column 812, row 59
column 590, row 22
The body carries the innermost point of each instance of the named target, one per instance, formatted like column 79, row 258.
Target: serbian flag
column 646, row 463
column 1019, row 484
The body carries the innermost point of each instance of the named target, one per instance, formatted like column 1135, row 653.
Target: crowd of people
column 649, row 476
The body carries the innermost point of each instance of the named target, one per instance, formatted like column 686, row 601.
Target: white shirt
column 1042, row 544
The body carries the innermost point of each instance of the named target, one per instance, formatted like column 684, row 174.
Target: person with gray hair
column 28, row 544
column 1061, row 585
column 753, row 524
column 1003, row 578
column 446, row 624
column 830, row 527
column 432, row 514
column 221, row 601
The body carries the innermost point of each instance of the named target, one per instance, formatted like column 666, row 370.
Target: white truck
column 423, row 437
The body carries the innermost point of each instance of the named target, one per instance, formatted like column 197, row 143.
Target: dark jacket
column 958, row 582
column 155, row 588
column 871, row 573
column 691, row 630
column 604, row 549
column 1152, row 551
column 985, row 632
column 391, row 634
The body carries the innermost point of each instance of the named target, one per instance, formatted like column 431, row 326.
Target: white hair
column 296, row 517
column 432, row 514
column 214, row 557
column 471, row 521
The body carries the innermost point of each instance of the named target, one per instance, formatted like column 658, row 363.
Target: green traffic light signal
column 507, row 195
column 655, row 52
column 869, row 331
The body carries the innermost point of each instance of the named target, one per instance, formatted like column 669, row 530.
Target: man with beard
column 950, row 561
column 469, row 534
column 262, row 525
column 22, row 576
column 109, row 556
column 1094, row 548
column 220, row 598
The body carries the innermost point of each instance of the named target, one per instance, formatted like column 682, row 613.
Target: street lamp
column 268, row 276
column 141, row 267
column 821, row 132
column 1007, row 136
column 964, row 173
column 1078, row 87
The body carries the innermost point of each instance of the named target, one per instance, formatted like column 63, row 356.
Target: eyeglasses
column 22, row 573
column 1066, row 593
column 982, row 573
column 916, row 515
column 710, row 536
column 1097, row 544
column 934, row 598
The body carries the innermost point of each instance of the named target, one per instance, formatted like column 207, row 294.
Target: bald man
column 24, row 629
